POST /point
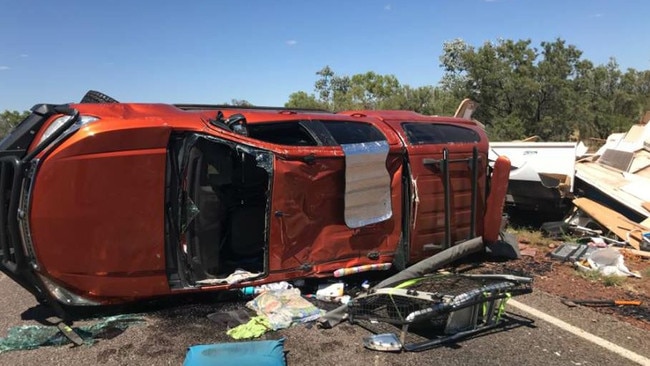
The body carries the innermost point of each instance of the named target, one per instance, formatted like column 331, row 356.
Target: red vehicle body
column 106, row 203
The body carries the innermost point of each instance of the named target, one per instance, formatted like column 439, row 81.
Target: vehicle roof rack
column 193, row 107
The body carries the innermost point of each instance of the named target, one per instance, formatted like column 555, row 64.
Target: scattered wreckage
column 106, row 202
column 613, row 185
column 548, row 175
column 608, row 189
column 619, row 172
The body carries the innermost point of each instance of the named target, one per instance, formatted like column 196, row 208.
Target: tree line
column 549, row 91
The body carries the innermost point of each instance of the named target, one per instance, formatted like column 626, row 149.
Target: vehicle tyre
column 93, row 96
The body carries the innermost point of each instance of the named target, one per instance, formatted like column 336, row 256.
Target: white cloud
column 4, row 68
column 291, row 42
column 24, row 55
column 387, row 7
column 597, row 15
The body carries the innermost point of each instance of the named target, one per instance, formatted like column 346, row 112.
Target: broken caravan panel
column 447, row 170
column 543, row 173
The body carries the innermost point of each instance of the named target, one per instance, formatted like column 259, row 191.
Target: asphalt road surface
column 167, row 332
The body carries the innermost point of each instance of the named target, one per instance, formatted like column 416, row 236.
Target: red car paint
column 97, row 213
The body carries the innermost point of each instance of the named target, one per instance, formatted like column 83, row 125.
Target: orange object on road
column 573, row 303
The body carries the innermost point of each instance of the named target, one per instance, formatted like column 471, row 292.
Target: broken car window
column 353, row 132
column 437, row 133
column 302, row 133
column 284, row 133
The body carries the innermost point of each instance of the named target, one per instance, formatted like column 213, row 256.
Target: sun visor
column 367, row 184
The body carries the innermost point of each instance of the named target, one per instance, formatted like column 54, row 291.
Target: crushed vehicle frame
column 106, row 202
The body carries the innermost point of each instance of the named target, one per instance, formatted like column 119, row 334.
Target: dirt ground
column 564, row 280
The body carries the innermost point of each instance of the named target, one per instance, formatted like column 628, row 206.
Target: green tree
column 500, row 77
column 9, row 119
column 427, row 100
column 302, row 100
column 240, row 103
column 548, row 91
column 370, row 90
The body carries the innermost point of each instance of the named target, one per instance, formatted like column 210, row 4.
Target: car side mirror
column 237, row 123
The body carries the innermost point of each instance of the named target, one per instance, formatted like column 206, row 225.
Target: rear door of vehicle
column 308, row 229
column 447, row 168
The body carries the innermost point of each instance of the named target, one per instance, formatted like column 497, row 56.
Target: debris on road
column 236, row 277
column 284, row 308
column 26, row 337
column 257, row 353
column 611, row 220
column 572, row 252
column 331, row 292
column 593, row 256
column 275, row 286
column 574, row 302
column 254, row 328
column 386, row 342
column 438, row 308
column 527, row 250
column 607, row 261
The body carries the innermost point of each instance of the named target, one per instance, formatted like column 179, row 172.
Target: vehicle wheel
column 93, row 96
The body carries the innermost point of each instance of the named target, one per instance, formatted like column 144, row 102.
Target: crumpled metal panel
column 308, row 229
column 367, row 184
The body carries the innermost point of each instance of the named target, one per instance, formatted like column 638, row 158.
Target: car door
column 308, row 229
column 447, row 166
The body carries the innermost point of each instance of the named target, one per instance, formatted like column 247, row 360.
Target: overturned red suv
column 106, row 202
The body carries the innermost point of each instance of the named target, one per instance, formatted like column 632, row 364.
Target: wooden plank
column 611, row 183
column 640, row 253
column 613, row 221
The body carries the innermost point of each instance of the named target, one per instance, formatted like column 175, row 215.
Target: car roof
column 405, row 116
column 185, row 113
column 275, row 114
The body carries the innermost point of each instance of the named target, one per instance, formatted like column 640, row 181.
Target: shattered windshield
column 189, row 213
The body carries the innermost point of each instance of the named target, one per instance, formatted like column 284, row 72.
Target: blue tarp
column 256, row 353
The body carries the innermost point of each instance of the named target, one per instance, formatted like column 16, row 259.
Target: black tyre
column 93, row 96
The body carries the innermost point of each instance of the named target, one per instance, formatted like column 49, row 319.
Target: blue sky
column 213, row 51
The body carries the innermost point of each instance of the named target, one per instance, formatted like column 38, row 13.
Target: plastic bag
column 284, row 308
column 607, row 261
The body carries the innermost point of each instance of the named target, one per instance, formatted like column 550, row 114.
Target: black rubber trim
column 197, row 107
column 18, row 140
